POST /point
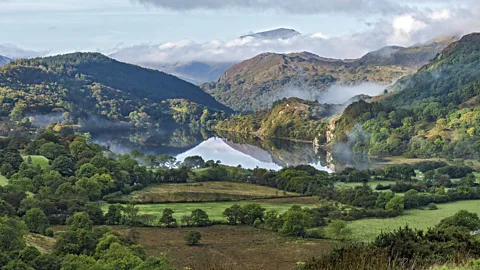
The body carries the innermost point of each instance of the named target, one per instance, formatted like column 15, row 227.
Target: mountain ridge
column 91, row 86
column 256, row 83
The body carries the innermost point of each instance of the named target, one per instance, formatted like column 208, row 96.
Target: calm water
column 230, row 149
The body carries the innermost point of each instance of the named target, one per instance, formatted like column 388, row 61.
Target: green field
column 373, row 184
column 203, row 192
column 3, row 180
column 368, row 229
column 213, row 209
column 38, row 160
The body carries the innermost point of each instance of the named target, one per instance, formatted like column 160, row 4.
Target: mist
column 341, row 94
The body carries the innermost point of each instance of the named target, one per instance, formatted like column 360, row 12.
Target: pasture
column 42, row 161
column 203, row 192
column 213, row 209
column 368, row 229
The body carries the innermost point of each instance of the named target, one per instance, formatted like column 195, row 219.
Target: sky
column 169, row 31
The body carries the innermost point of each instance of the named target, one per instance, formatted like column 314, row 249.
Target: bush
column 432, row 206
column 317, row 233
column 49, row 232
column 193, row 238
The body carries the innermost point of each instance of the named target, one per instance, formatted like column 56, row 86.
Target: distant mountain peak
column 4, row 60
column 280, row 33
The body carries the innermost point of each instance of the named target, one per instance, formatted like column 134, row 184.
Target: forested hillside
column 434, row 112
column 92, row 87
column 291, row 118
column 256, row 83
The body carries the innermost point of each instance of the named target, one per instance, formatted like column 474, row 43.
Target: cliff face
column 330, row 132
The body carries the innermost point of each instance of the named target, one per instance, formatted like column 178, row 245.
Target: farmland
column 368, row 229
column 230, row 247
column 215, row 209
column 203, row 192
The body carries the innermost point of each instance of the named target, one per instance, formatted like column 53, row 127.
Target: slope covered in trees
column 92, row 86
column 291, row 118
column 434, row 112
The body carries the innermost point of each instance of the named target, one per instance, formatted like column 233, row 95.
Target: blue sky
column 184, row 30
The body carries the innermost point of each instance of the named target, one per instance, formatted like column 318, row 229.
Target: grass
column 230, row 247
column 213, row 209
column 373, row 184
column 39, row 160
column 368, row 229
column 3, row 180
column 43, row 243
column 203, row 192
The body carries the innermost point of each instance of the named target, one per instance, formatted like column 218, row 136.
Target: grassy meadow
column 213, row 209
column 373, row 184
column 203, row 192
column 368, row 229
column 38, row 160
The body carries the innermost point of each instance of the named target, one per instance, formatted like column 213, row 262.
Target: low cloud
column 340, row 94
column 403, row 29
column 14, row 52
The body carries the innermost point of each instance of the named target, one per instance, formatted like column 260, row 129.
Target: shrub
column 49, row 232
column 432, row 206
column 193, row 238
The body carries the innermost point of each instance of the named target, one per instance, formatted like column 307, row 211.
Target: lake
column 230, row 148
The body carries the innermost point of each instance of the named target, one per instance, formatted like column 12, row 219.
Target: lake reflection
column 231, row 149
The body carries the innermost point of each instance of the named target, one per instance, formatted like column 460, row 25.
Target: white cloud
column 406, row 25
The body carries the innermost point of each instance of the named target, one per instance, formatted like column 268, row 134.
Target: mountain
column 93, row 87
column 280, row 33
column 432, row 113
column 411, row 57
column 195, row 72
column 256, row 83
column 14, row 52
column 4, row 60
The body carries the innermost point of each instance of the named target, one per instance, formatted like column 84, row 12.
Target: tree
column 193, row 238
column 36, row 220
column 252, row 212
column 95, row 213
column 200, row 218
column 64, row 166
column 296, row 221
column 52, row 150
column 396, row 204
column 114, row 214
column 194, row 162
column 167, row 219
column 155, row 264
column 233, row 214
column 338, row 229
column 462, row 218
column 78, row 221
column 131, row 215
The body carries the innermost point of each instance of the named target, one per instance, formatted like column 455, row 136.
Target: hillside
column 291, row 118
column 93, row 87
column 256, row 83
column 435, row 112
column 4, row 60
column 410, row 57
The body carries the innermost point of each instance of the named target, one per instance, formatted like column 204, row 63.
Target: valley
column 268, row 149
